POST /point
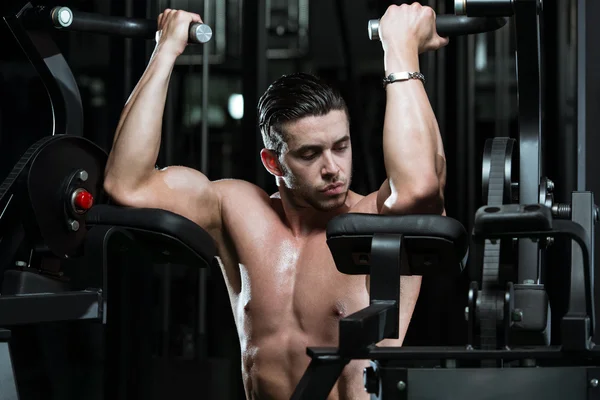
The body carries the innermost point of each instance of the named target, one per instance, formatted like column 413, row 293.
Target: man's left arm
column 413, row 149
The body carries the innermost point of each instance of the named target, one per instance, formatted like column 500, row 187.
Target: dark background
column 471, row 84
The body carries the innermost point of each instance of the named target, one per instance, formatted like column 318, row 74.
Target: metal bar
column 380, row 319
column 367, row 327
column 254, row 82
column 565, row 79
column 582, row 55
column 489, row 383
column 200, row 340
column 530, row 126
column 461, row 130
column 413, row 353
column 319, row 378
column 388, row 256
column 440, row 59
column 205, row 76
column 170, row 151
column 582, row 212
column 49, row 307
column 472, row 150
column 357, row 121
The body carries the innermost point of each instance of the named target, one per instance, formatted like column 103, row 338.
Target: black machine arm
column 61, row 17
column 452, row 25
column 484, row 8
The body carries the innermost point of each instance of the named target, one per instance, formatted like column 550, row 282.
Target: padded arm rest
column 168, row 229
column 430, row 240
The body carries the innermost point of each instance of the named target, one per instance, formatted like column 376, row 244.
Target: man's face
column 317, row 160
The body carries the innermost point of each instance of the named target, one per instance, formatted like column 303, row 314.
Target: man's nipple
column 339, row 310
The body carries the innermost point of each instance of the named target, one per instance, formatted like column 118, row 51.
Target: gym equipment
column 61, row 17
column 29, row 25
column 507, row 352
column 64, row 249
column 61, row 215
column 452, row 25
column 65, row 18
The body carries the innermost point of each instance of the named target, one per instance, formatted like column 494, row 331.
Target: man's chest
column 301, row 281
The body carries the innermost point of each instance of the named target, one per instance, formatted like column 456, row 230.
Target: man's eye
column 341, row 148
column 308, row 157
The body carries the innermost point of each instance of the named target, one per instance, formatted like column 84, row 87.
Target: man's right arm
column 130, row 176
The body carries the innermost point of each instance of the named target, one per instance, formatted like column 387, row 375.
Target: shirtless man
column 285, row 291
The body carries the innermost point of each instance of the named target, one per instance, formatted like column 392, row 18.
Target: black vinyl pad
column 409, row 225
column 156, row 221
column 437, row 235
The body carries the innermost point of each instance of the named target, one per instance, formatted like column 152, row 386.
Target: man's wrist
column 403, row 60
column 164, row 54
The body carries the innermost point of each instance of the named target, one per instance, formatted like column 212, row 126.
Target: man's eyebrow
column 342, row 140
column 316, row 147
column 308, row 147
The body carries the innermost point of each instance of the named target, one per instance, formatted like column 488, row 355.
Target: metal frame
column 361, row 330
column 529, row 73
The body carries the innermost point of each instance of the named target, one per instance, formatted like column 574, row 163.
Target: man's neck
column 304, row 219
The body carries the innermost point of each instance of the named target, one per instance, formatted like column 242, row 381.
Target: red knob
column 84, row 200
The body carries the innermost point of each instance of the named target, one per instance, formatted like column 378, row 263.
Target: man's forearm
column 137, row 138
column 411, row 139
column 414, row 161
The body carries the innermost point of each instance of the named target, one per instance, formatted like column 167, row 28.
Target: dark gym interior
column 185, row 342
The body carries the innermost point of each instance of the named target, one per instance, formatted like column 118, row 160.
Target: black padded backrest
column 162, row 230
column 435, row 244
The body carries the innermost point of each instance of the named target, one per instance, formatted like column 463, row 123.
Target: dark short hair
column 290, row 98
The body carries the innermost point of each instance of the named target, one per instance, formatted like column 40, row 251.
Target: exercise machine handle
column 453, row 25
column 65, row 18
column 484, row 8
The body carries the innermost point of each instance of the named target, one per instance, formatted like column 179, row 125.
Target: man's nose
column 330, row 167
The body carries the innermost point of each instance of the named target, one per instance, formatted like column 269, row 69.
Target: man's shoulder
column 245, row 204
column 237, row 192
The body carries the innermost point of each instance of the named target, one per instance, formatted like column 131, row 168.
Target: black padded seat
column 428, row 239
column 165, row 232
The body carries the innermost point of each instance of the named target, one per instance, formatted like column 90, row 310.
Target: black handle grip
column 65, row 18
column 484, row 8
column 453, row 25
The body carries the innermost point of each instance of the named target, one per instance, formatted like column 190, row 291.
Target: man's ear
column 271, row 162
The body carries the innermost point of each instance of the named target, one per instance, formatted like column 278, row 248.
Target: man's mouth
column 335, row 188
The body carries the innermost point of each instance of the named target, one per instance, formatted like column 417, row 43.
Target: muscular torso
column 286, row 294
